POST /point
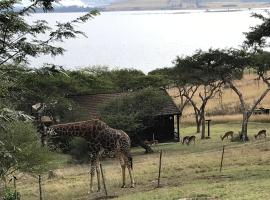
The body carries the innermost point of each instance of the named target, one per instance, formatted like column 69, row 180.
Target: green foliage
column 20, row 39
column 260, row 62
column 258, row 35
column 21, row 141
column 205, row 67
column 79, row 150
column 19, row 147
column 10, row 194
column 134, row 111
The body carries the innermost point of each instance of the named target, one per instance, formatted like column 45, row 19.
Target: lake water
column 147, row 40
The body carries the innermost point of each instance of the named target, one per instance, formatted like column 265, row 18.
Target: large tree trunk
column 198, row 120
column 203, row 123
column 198, row 124
column 243, row 134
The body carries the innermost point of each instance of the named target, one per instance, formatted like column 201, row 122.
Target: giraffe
column 100, row 137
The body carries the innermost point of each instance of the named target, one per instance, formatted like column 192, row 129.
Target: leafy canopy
column 20, row 39
column 134, row 111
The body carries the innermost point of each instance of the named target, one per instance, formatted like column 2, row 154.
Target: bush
column 79, row 150
column 10, row 194
column 20, row 139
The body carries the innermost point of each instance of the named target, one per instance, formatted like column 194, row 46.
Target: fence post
column 103, row 179
column 15, row 187
column 40, row 189
column 208, row 127
column 221, row 163
column 159, row 170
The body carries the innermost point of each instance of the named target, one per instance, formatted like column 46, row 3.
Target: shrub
column 10, row 194
column 21, row 141
column 79, row 150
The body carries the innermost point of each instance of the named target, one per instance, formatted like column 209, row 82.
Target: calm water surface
column 147, row 40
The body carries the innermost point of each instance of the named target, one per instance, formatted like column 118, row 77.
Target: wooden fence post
column 221, row 163
column 40, row 189
column 159, row 170
column 103, row 180
column 15, row 187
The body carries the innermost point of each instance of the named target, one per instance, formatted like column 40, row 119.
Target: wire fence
column 41, row 181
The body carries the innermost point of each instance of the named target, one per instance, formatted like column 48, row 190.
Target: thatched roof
column 91, row 103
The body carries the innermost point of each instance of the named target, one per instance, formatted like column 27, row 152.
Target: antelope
column 260, row 134
column 185, row 139
column 191, row 138
column 226, row 135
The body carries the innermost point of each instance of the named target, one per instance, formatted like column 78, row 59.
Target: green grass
column 187, row 172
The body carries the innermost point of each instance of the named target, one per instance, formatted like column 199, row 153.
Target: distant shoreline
column 210, row 7
column 131, row 5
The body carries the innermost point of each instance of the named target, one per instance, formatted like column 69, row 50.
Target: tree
column 19, row 147
column 195, row 73
column 257, row 37
column 20, row 39
column 134, row 112
column 228, row 65
column 260, row 62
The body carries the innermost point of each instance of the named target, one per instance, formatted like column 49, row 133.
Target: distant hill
column 119, row 5
column 184, row 4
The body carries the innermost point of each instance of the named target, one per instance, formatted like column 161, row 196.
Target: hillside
column 227, row 107
column 183, row 4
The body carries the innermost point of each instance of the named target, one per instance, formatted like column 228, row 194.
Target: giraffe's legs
column 98, row 174
column 124, row 175
column 128, row 163
column 131, row 177
column 123, row 167
column 92, row 171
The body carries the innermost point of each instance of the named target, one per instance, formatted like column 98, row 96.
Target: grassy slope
column 187, row 171
column 251, row 90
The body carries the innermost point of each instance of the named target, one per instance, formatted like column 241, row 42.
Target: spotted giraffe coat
column 99, row 135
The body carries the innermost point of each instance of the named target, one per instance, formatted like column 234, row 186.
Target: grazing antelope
column 185, row 139
column 190, row 139
column 260, row 134
column 226, row 135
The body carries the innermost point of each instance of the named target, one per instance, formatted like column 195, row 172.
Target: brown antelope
column 226, row 135
column 191, row 138
column 185, row 139
column 260, row 134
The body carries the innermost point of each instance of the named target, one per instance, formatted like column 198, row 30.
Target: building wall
column 163, row 129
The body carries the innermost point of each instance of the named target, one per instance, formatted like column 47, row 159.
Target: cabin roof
column 91, row 102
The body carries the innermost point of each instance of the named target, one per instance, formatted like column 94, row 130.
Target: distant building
column 261, row 111
column 165, row 127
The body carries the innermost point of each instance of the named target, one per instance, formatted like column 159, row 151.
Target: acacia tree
column 196, row 70
column 260, row 62
column 173, row 79
column 229, row 65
